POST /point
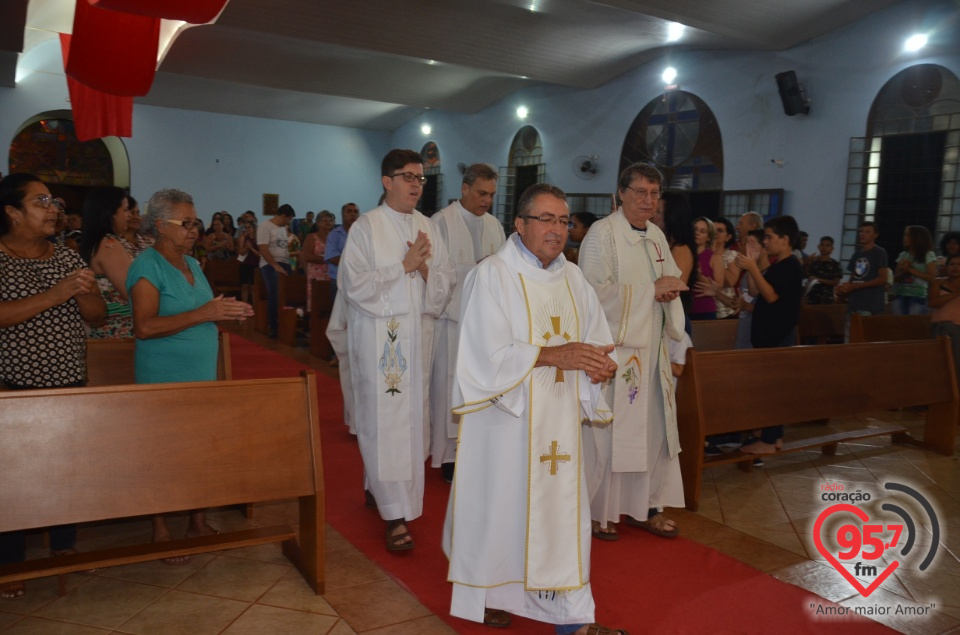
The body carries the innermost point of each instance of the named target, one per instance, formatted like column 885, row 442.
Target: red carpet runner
column 642, row 583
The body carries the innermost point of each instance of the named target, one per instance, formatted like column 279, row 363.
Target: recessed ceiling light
column 425, row 128
column 522, row 112
column 915, row 42
column 669, row 74
column 674, row 31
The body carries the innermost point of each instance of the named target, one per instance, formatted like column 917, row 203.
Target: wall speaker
column 792, row 94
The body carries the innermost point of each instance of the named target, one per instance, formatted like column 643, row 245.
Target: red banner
column 192, row 11
column 96, row 114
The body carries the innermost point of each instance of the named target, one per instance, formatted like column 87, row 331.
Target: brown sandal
column 496, row 618
column 656, row 526
column 597, row 629
column 13, row 590
column 395, row 541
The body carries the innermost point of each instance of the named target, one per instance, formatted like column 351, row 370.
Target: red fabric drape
column 96, row 114
column 192, row 11
column 113, row 52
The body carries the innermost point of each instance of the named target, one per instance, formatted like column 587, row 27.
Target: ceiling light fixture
column 674, row 31
column 669, row 74
column 915, row 43
column 426, row 129
column 522, row 112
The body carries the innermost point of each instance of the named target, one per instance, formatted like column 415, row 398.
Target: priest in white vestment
column 396, row 278
column 470, row 234
column 533, row 342
column 632, row 466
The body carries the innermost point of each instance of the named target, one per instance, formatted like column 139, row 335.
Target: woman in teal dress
column 174, row 311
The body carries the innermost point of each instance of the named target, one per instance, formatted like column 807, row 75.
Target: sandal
column 395, row 541
column 597, row 629
column 13, row 590
column 656, row 525
column 610, row 533
column 496, row 618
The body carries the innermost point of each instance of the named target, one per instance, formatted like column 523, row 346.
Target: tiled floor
column 763, row 518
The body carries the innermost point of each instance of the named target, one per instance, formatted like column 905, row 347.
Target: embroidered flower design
column 392, row 364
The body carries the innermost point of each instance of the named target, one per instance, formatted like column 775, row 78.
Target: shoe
column 447, row 470
column 394, row 541
column 597, row 629
column 657, row 525
column 599, row 534
column 496, row 618
column 710, row 449
column 758, row 462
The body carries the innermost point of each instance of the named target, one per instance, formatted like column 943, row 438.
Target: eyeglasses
column 45, row 201
column 550, row 219
column 186, row 224
column 643, row 194
column 410, row 177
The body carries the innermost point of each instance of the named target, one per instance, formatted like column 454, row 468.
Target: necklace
column 21, row 257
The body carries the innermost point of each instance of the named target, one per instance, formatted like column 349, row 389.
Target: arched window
column 904, row 172
column 678, row 133
column 47, row 146
column 525, row 167
column 431, row 200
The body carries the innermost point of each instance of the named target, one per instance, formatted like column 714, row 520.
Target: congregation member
column 915, row 270
column 735, row 276
column 534, row 345
column 709, row 268
column 823, row 274
column 678, row 228
column 470, row 234
column 337, row 240
column 779, row 291
column 949, row 246
column 219, row 243
column 106, row 212
column 580, row 223
column 303, row 228
column 396, row 278
column 136, row 241
column 47, row 294
column 314, row 252
column 73, row 224
column 274, row 260
column 632, row 466
column 249, row 257
column 723, row 293
column 945, row 302
column 174, row 316
column 865, row 290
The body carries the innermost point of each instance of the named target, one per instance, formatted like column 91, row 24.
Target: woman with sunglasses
column 46, row 294
column 174, row 312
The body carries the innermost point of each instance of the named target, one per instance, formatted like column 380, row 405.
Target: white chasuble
column 390, row 335
column 553, row 462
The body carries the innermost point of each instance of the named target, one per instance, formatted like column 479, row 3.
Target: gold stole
column 553, row 468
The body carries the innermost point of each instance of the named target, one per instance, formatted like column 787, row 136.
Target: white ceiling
column 377, row 63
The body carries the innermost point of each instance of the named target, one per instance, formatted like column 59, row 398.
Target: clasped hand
column 417, row 255
column 667, row 288
column 77, row 283
column 229, row 309
column 591, row 359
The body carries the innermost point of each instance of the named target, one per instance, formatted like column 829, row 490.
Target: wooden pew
column 293, row 296
column 223, row 276
column 889, row 328
column 110, row 361
column 822, row 323
column 138, row 450
column 320, row 317
column 780, row 386
column 714, row 335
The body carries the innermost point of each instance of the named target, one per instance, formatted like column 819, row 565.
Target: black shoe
column 447, row 470
column 758, row 462
column 710, row 449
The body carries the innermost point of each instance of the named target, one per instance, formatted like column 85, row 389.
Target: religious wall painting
column 271, row 203
column 392, row 363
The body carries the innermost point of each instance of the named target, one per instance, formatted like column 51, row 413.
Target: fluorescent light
column 915, row 42
column 522, row 112
column 669, row 74
column 425, row 128
column 674, row 31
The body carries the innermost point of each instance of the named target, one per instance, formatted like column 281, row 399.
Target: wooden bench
column 223, row 276
column 110, row 361
column 138, row 450
column 320, row 311
column 732, row 391
column 714, row 335
column 889, row 328
column 822, row 323
column 293, row 296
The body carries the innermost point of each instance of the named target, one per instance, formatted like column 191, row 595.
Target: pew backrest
column 889, row 328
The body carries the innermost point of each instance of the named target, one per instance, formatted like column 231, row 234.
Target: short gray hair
column 160, row 208
column 525, row 204
column 479, row 171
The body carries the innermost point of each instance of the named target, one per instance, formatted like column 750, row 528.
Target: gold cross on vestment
column 555, row 320
column 554, row 457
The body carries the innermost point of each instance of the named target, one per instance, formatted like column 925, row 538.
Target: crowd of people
column 535, row 370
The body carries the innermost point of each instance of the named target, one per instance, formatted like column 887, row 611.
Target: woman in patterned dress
column 136, row 241
column 46, row 294
column 313, row 252
column 106, row 212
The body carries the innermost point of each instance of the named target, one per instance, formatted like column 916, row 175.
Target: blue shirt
column 336, row 241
